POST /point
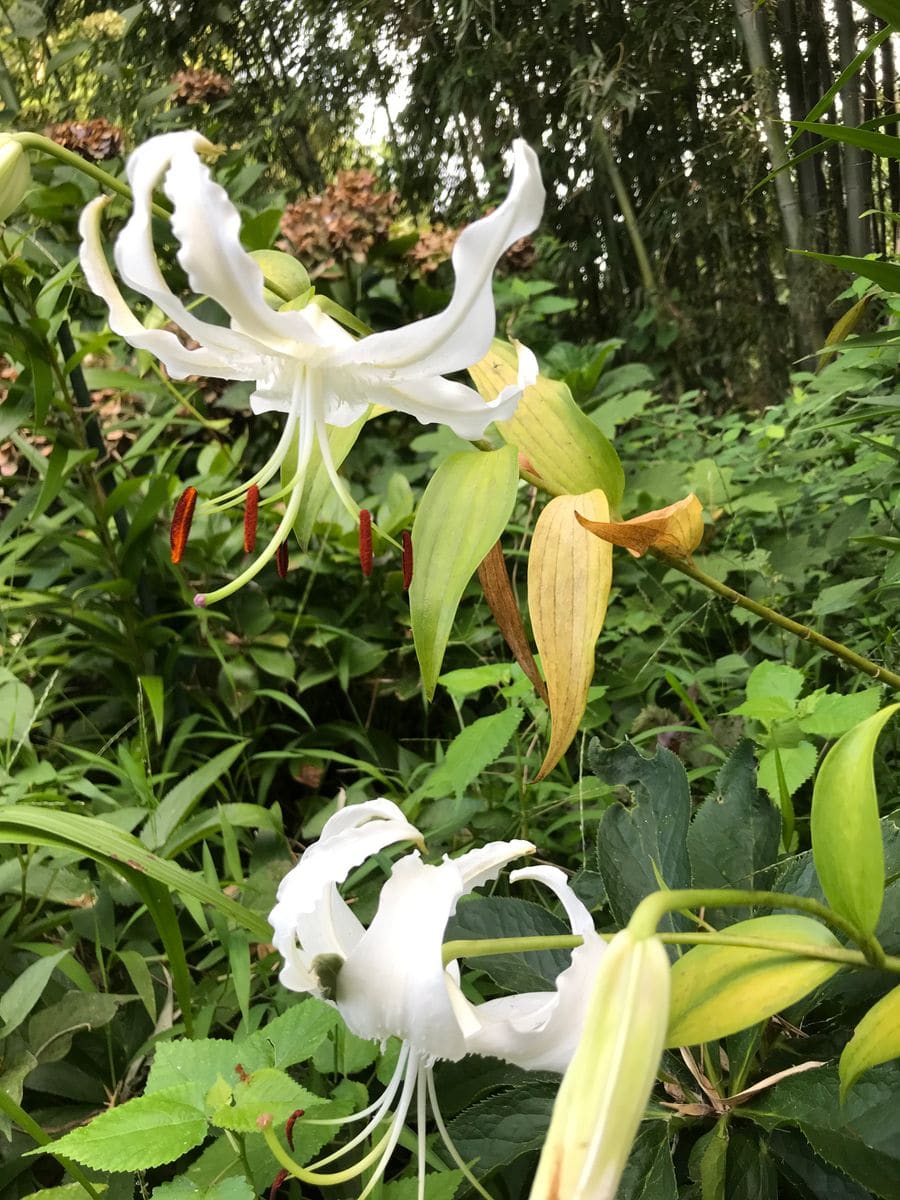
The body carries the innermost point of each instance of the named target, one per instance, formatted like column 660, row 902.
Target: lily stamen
column 281, row 561
column 181, row 522
column 406, row 559
column 365, row 541
column 251, row 517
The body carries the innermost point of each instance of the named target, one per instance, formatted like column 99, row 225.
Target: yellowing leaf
column 569, row 578
column 718, row 990
column 676, row 530
column 875, row 1040
column 560, row 449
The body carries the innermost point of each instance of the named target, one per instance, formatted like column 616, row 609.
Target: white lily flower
column 390, row 979
column 302, row 362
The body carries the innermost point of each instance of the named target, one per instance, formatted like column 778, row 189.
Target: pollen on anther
column 181, row 522
column 365, row 541
column 251, row 517
column 281, row 560
column 406, row 559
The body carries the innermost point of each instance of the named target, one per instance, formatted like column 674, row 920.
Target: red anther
column 241, row 1073
column 281, row 560
column 365, row 541
column 406, row 560
column 251, row 516
column 181, row 522
column 279, row 1179
column 289, row 1126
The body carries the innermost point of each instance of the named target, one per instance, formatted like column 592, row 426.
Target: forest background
column 681, row 292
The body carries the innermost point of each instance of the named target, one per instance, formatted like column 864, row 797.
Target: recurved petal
column 136, row 257
column 461, row 334
column 540, row 1030
column 208, row 227
column 310, row 917
column 431, row 401
column 218, row 362
column 394, row 982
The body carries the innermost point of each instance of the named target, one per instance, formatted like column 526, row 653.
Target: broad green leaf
column 464, row 510
column 235, row 1188
column 25, row 990
column 834, row 714
column 888, row 10
column 196, row 1066
column 475, row 748
column 717, row 990
column 142, row 1133
column 66, row 1191
column 562, row 450
column 769, row 679
column 497, row 917
column 649, row 1173
column 296, row 1034
column 16, row 708
column 733, row 838
column 886, row 275
column 267, row 1091
column 569, row 580
column 750, row 1173
column 797, row 765
column 180, row 801
column 712, row 1152
column 875, row 1040
column 498, row 1130
column 438, row 1186
column 844, row 825
column 644, row 846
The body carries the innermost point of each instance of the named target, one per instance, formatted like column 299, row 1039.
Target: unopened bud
column 287, row 276
column 15, row 175
column 605, row 1090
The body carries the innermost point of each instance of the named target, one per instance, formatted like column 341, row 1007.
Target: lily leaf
column 464, row 510
column 846, row 834
column 569, row 579
column 676, row 530
column 875, row 1040
column 560, row 449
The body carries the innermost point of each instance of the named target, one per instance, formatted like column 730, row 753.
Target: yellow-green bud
column 287, row 274
column 15, row 174
column 604, row 1092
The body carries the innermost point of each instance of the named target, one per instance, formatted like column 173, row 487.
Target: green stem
column 28, row 1125
column 882, row 674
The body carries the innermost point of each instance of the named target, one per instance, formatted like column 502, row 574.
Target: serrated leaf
column 470, row 752
column 649, row 1173
column 875, row 1040
column 797, row 764
column 184, row 1189
column 438, row 1186
column 496, row 917
column 562, row 450
column 502, row 1128
column 199, row 1064
column 718, row 990
column 835, row 714
column 641, row 848
column 267, row 1091
column 295, row 1035
column 775, row 679
column 569, row 580
column 142, row 1133
column 733, row 838
column 462, row 513
column 844, row 826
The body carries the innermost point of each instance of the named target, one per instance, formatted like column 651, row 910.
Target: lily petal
column 310, row 917
column 179, row 361
column 431, row 401
column 462, row 333
column 394, row 981
column 540, row 1030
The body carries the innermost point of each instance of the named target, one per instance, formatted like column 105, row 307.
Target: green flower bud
column 15, row 174
column 604, row 1092
column 287, row 274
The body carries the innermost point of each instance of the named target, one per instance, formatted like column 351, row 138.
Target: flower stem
column 838, row 649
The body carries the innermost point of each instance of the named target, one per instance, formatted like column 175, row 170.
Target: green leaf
column 835, row 714
column 24, row 992
column 775, row 679
column 733, row 838
column 183, row 798
column 268, row 1091
column 875, row 1040
column 882, row 145
column 153, row 689
column 196, row 1066
column 840, row 596
column 642, row 848
column 475, row 748
column 712, row 1159
column 844, row 826
column 496, row 917
column 750, row 1173
column 142, row 1133
column 296, row 1034
column 235, row 1188
column 464, row 510
column 797, row 763
column 886, row 275
column 502, row 1128
column 317, row 485
column 438, row 1186
column 50, row 1030
column 16, row 708
column 809, row 1173
column 649, row 1173
column 888, row 10
column 717, row 990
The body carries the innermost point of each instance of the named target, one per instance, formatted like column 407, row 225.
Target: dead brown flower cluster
column 343, row 222
column 200, row 85
column 95, row 140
